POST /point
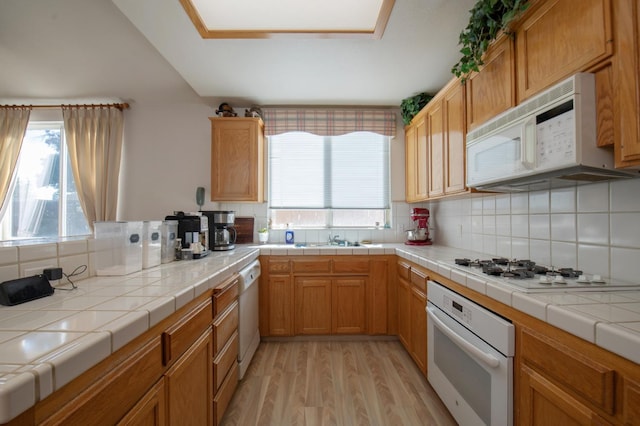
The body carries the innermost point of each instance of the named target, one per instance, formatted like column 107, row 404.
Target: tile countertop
column 609, row 319
column 46, row 343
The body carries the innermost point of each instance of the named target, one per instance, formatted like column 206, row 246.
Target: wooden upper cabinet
column 626, row 66
column 435, row 138
column 416, row 160
column 454, row 138
column 560, row 38
column 237, row 159
column 493, row 89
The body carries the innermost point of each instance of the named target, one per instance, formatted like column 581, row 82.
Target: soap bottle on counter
column 178, row 249
column 288, row 235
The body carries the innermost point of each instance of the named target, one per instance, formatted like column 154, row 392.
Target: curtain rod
column 119, row 106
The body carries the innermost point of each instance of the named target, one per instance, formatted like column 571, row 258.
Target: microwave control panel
column 555, row 138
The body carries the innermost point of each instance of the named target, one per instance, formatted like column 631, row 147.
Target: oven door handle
column 487, row 359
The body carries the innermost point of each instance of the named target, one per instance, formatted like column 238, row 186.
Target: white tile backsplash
column 37, row 252
column 595, row 227
column 8, row 255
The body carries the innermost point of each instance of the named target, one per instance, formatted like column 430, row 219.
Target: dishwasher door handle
column 487, row 359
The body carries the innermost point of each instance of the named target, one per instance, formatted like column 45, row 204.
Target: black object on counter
column 14, row 292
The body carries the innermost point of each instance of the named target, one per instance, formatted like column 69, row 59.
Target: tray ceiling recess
column 289, row 18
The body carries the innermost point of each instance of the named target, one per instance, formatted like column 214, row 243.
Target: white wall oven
column 470, row 358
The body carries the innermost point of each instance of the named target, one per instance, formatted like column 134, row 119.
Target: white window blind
column 329, row 172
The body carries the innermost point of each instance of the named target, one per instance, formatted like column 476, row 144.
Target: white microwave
column 547, row 141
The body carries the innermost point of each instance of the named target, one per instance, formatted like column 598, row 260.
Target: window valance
column 329, row 122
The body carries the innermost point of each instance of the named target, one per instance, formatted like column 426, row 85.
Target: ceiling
column 415, row 54
column 149, row 49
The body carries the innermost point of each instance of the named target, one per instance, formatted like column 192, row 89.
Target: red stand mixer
column 419, row 235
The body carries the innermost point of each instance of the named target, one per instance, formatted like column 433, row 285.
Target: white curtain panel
column 13, row 125
column 94, row 139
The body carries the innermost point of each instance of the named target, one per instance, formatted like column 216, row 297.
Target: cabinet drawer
column 312, row 265
column 279, row 266
column 585, row 378
column 351, row 266
column 224, row 295
column 404, row 270
column 224, row 326
column 223, row 362
column 224, row 394
column 177, row 338
column 419, row 279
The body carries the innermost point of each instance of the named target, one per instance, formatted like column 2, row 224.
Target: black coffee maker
column 191, row 229
column 222, row 233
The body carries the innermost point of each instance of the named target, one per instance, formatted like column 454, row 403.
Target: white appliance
column 248, row 320
column 548, row 141
column 470, row 358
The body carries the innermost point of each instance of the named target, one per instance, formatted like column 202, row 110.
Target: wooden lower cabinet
column 312, row 305
column 404, row 308
column 348, row 306
column 419, row 328
column 319, row 295
column 150, row 410
column 189, row 392
column 280, row 314
column 412, row 314
column 543, row 403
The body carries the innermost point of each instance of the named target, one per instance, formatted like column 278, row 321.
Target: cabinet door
column 543, row 403
column 419, row 328
column 455, row 134
column 627, row 74
column 556, row 41
column 378, row 297
column 410, row 164
column 313, row 305
column 436, row 149
column 493, row 89
column 348, row 306
column 280, row 305
column 150, row 410
column 237, row 159
column 416, row 161
column 190, row 385
column 404, row 313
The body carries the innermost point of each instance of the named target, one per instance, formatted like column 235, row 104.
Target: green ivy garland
column 488, row 17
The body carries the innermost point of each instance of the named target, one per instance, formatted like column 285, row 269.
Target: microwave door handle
column 528, row 143
column 487, row 359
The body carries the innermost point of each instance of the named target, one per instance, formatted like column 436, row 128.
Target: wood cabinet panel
column 224, row 296
column 311, row 266
column 224, row 360
column 224, row 394
column 279, row 266
column 313, row 305
column 150, row 410
column 189, row 387
column 454, row 139
column 631, row 402
column 627, row 83
column 587, row 379
column 224, row 326
column 237, row 159
column 493, row 89
column 416, row 160
column 177, row 338
column 436, row 138
column 348, row 313
column 280, row 306
column 543, row 403
column 419, row 328
column 404, row 313
column 377, row 303
column 558, row 39
column 348, row 266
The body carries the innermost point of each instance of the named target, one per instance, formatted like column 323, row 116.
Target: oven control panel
column 457, row 310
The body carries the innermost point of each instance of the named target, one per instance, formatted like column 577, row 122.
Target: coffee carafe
column 222, row 234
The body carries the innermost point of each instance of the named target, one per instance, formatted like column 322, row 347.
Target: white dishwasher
column 248, row 322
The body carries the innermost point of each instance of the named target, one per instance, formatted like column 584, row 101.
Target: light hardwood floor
column 334, row 383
